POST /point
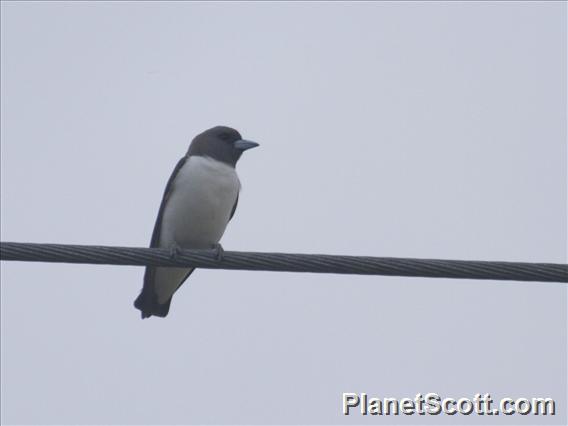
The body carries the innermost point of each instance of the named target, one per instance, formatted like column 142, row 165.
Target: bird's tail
column 147, row 301
column 148, row 305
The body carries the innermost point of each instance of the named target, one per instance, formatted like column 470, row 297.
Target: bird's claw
column 219, row 252
column 175, row 252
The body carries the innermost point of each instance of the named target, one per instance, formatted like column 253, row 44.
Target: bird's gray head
column 220, row 143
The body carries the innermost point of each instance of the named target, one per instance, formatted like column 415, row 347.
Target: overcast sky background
column 430, row 130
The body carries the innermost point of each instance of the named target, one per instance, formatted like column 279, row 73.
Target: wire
column 285, row 262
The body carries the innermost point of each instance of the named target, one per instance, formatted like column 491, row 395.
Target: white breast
column 200, row 203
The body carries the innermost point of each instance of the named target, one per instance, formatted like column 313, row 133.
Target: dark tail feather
column 148, row 305
column 147, row 301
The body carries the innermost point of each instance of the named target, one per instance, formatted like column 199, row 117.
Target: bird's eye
column 224, row 136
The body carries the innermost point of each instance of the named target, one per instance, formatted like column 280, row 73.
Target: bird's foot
column 219, row 252
column 175, row 251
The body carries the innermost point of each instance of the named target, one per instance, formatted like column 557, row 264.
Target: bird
column 200, row 199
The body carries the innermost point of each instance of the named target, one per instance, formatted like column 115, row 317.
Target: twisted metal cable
column 286, row 262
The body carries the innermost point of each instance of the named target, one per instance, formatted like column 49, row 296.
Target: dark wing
column 234, row 207
column 147, row 301
column 158, row 225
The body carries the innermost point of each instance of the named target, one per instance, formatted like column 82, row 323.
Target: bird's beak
column 243, row 144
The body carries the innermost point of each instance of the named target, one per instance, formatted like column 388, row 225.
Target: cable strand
column 285, row 262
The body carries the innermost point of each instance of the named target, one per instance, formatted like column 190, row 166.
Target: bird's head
column 221, row 143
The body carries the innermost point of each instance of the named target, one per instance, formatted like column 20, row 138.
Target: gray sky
column 429, row 130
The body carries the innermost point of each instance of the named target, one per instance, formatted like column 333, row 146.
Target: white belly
column 200, row 204
column 196, row 214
